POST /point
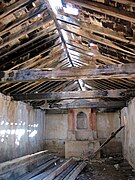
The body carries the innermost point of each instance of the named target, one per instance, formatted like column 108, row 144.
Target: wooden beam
column 96, row 54
column 39, row 169
column 113, row 134
column 59, row 170
column 39, row 35
column 127, row 2
column 25, row 31
column 22, row 19
column 25, row 64
column 58, row 28
column 94, row 28
column 87, row 34
column 100, row 104
column 118, row 93
column 74, row 173
column 111, row 11
column 72, row 73
column 13, row 7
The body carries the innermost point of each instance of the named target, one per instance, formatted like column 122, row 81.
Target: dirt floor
column 112, row 168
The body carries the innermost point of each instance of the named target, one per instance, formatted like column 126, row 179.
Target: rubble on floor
column 111, row 168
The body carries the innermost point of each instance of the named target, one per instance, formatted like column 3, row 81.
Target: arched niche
column 82, row 121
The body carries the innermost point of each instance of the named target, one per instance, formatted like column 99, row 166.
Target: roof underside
column 33, row 36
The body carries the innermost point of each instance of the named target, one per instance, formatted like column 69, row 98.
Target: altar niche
column 82, row 120
column 82, row 124
column 82, row 132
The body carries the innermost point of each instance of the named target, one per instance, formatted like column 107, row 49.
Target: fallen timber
column 41, row 165
column 113, row 134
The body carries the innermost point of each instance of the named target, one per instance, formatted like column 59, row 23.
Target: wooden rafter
column 23, row 19
column 87, row 34
column 111, row 11
column 14, row 7
column 94, row 28
column 25, row 31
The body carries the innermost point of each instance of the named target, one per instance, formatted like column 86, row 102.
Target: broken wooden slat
column 128, row 16
column 20, row 20
column 5, row 166
column 13, row 7
column 67, row 171
column 24, row 31
column 89, row 35
column 126, row 2
column 94, row 28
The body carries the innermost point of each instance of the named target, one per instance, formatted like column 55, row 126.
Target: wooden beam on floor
column 39, row 169
column 73, row 73
column 59, row 170
column 74, row 173
column 111, row 11
column 93, row 94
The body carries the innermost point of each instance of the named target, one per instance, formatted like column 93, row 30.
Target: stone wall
column 56, row 128
column 106, row 124
column 21, row 129
column 128, row 135
column 61, row 128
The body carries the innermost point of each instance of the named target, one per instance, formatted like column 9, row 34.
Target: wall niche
column 82, row 121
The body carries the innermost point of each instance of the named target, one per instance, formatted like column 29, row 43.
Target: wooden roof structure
column 52, row 57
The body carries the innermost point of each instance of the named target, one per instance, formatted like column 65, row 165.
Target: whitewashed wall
column 128, row 136
column 21, row 129
column 106, row 124
column 56, row 132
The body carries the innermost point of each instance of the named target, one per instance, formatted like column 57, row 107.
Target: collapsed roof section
column 69, row 33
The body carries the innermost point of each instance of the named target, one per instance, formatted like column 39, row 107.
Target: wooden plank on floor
column 39, row 169
column 59, row 170
column 73, row 174
column 9, row 165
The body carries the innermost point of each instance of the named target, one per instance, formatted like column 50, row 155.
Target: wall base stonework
column 113, row 148
column 80, row 148
column 56, row 146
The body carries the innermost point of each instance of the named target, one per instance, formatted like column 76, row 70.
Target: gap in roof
column 82, row 85
column 61, row 5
